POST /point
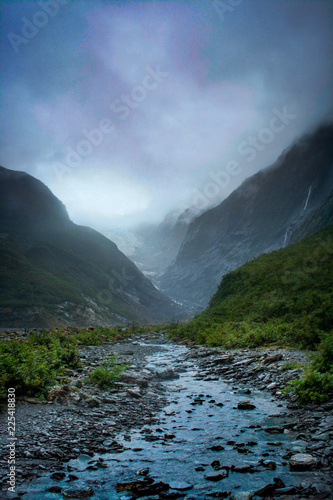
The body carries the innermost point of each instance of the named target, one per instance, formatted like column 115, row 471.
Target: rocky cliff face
column 316, row 220
column 260, row 216
column 53, row 272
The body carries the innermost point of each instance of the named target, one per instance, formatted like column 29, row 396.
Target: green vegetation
column 317, row 382
column 31, row 365
column 53, row 283
column 284, row 298
column 105, row 375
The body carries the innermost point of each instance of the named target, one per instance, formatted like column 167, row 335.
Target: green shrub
column 323, row 358
column 32, row 365
column 314, row 387
column 89, row 337
column 100, row 335
column 107, row 374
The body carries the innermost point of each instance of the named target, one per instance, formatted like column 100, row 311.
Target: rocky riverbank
column 270, row 370
column 82, row 420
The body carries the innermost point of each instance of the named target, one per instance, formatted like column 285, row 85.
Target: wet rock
column 324, row 436
column 133, row 485
column 216, row 447
column 152, row 489
column 134, row 393
column 142, row 472
column 278, row 482
column 181, row 486
column 216, row 464
column 245, row 405
column 167, row 374
column 168, row 435
column 79, row 493
column 273, row 359
column 272, row 386
column 73, row 477
column 54, row 489
column 266, row 491
column 223, row 359
column 58, row 476
column 244, row 362
column 216, row 477
column 134, row 378
column 268, row 464
column 274, row 430
column 245, row 469
column 302, row 462
column 291, row 490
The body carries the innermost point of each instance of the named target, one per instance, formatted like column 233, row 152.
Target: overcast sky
column 128, row 109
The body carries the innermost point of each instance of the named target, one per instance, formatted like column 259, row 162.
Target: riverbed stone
column 134, row 393
column 58, row 476
column 54, row 489
column 134, row 378
column 302, row 462
column 245, row 405
column 266, row 491
column 180, row 485
column 273, row 359
column 78, row 493
column 167, row 374
column 216, row 477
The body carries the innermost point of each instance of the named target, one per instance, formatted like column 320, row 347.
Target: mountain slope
column 319, row 218
column 258, row 217
column 284, row 296
column 54, row 272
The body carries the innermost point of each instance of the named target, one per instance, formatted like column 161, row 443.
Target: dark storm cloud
column 170, row 89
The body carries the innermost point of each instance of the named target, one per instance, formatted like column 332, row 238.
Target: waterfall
column 307, row 200
column 295, row 220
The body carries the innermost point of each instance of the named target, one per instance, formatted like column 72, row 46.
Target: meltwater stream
column 201, row 415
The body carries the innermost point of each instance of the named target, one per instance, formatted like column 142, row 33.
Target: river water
column 201, row 414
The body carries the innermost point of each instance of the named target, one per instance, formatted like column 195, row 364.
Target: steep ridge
column 54, row 272
column 258, row 217
column 319, row 218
